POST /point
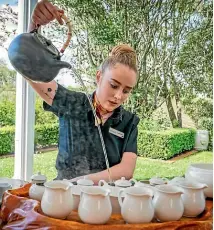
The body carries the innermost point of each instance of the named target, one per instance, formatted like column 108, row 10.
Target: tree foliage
column 196, row 56
column 159, row 31
column 173, row 40
column 7, row 81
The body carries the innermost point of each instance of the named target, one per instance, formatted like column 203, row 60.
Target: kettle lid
column 38, row 178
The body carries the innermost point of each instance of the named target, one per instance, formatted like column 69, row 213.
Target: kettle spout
column 63, row 64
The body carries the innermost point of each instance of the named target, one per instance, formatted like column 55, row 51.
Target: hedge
column 8, row 113
column 162, row 145
column 7, row 139
column 165, row 144
column 45, row 135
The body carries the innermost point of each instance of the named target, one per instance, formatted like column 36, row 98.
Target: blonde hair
column 123, row 54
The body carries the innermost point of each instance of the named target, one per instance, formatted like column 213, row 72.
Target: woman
column 80, row 150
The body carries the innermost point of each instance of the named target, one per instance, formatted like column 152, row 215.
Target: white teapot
column 193, row 198
column 95, row 206
column 137, row 205
column 168, row 203
column 77, row 190
column 85, row 182
column 37, row 188
column 57, row 201
column 140, row 184
column 202, row 173
column 176, row 180
column 114, row 191
column 123, row 183
column 158, row 181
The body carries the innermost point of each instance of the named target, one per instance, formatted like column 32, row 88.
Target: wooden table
column 20, row 212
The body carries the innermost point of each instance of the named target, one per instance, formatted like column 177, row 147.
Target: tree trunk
column 175, row 85
column 170, row 108
column 179, row 112
column 177, row 100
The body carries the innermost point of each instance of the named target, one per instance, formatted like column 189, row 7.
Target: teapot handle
column 133, row 180
column 68, row 24
column 102, row 183
column 120, row 198
column 165, row 180
column 81, row 194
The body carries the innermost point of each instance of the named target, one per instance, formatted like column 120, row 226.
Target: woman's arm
column 46, row 91
column 43, row 13
column 124, row 169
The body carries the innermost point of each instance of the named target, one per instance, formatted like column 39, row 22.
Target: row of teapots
column 137, row 202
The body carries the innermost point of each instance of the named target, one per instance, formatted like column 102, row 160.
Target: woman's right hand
column 44, row 12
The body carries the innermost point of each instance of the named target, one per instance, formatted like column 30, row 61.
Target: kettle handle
column 68, row 24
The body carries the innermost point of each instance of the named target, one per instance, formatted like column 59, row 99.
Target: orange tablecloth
column 20, row 212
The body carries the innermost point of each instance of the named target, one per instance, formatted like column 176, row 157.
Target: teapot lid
column 157, row 181
column 38, row 178
column 123, row 182
column 85, row 181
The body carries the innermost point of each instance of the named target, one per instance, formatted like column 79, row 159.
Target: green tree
column 156, row 29
column 7, row 81
column 196, row 55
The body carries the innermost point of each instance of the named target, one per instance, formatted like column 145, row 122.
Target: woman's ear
column 98, row 76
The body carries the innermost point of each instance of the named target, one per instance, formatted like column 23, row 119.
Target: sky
column 10, row 2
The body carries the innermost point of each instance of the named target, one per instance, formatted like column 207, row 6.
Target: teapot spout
column 205, row 186
column 58, row 184
column 63, row 64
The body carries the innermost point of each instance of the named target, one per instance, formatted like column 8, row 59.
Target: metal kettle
column 35, row 57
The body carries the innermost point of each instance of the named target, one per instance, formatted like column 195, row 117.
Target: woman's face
column 115, row 85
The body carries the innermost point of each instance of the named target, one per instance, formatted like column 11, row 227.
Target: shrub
column 8, row 114
column 165, row 144
column 207, row 124
column 147, row 124
column 161, row 116
column 7, row 139
column 45, row 135
column 42, row 116
column 154, row 125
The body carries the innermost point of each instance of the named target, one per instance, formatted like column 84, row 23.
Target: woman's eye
column 113, row 86
column 125, row 91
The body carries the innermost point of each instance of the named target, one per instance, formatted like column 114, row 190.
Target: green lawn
column 146, row 168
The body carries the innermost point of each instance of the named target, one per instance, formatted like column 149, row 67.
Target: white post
column 25, row 108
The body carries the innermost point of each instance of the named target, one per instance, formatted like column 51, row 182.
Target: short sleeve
column 131, row 144
column 64, row 101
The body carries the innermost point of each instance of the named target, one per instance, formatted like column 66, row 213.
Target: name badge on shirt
column 116, row 133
